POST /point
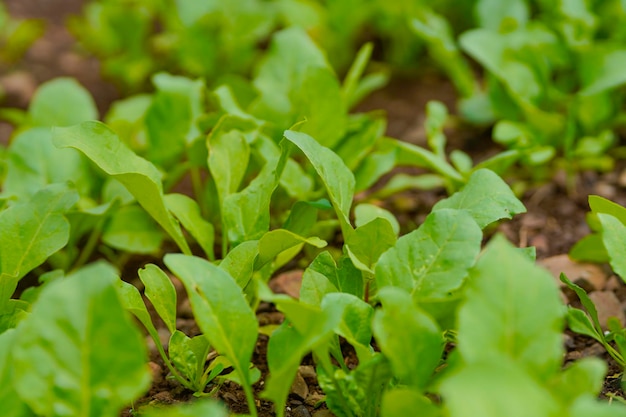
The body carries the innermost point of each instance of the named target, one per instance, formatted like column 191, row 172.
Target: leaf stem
column 90, row 246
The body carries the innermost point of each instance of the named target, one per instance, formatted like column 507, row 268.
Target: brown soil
column 554, row 223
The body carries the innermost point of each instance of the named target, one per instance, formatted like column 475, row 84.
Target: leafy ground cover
column 397, row 307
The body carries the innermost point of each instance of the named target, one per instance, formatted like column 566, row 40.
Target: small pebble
column 307, row 372
column 299, row 387
column 157, row 372
column 607, row 305
column 300, row 411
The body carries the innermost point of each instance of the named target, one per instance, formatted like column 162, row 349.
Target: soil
column 555, row 220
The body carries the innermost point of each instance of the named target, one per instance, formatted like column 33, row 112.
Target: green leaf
column 138, row 175
column 276, row 241
column 613, row 233
column 306, row 327
column 62, row 102
column 582, row 378
column 480, row 389
column 337, row 178
column 12, row 404
column 412, row 155
column 415, row 351
column 229, row 153
column 239, row 263
column 365, row 213
column 355, row 320
column 368, row 242
column 161, row 293
column 486, row 197
column 296, row 82
column 187, row 211
column 406, row 401
column 221, row 310
column 32, row 231
column 342, row 275
column 590, row 249
column 604, row 73
column 246, row 214
column 34, row 162
column 602, row 205
column 172, row 115
column 434, row 259
column 586, row 324
column 78, row 353
column 189, row 356
column 314, row 287
column 496, row 321
column 202, row 408
column 356, row 393
column 131, row 229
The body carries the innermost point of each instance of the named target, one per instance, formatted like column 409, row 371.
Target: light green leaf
column 161, row 293
column 412, row 155
column 202, row 408
column 337, row 178
column 357, row 393
column 189, row 356
column 493, row 14
column 368, row 242
column 496, row 321
column 32, row 231
column 434, row 259
column 62, row 102
column 296, row 82
column 239, row 263
column 355, row 320
column 276, row 241
column 78, row 353
column 12, row 404
column 405, row 401
column 342, row 275
column 582, row 378
column 480, row 389
column 221, row 310
column 229, row 153
column 604, row 73
column 172, row 115
column 246, row 214
column 613, row 237
column 187, row 211
column 131, row 229
column 34, row 162
column 415, row 351
column 602, row 205
column 314, row 287
column 365, row 213
column 486, row 197
column 138, row 175
column 306, row 327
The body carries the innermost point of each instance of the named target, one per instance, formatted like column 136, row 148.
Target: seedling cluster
column 250, row 162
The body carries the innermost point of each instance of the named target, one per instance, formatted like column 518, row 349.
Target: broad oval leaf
column 486, row 197
column 415, row 351
column 34, row 162
column 79, row 353
column 32, row 231
column 512, row 309
column 139, row 176
column 434, row 259
column 62, row 102
column 220, row 308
